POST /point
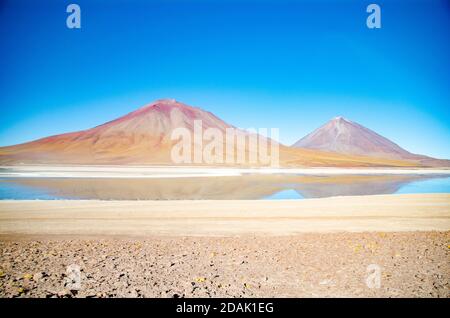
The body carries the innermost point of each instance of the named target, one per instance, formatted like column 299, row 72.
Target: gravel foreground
column 412, row 264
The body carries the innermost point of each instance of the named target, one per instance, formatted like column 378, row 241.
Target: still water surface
column 246, row 187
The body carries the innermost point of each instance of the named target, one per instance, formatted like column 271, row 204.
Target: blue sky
column 286, row 64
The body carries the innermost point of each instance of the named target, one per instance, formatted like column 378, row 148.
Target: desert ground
column 227, row 248
column 412, row 264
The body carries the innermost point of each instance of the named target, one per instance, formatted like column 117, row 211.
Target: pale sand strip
column 405, row 212
column 180, row 172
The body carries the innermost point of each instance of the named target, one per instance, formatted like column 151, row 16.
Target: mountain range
column 144, row 137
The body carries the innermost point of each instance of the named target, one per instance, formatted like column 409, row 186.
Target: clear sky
column 291, row 65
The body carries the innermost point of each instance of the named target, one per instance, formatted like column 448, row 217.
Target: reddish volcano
column 142, row 136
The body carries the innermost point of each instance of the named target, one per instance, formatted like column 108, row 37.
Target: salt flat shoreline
column 192, row 171
column 385, row 213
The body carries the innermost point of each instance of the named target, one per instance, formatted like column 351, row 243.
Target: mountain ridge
column 143, row 136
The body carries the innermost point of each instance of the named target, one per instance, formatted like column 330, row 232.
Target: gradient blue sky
column 292, row 65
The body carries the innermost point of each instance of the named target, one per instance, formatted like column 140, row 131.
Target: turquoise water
column 433, row 185
column 440, row 185
column 285, row 195
column 17, row 191
column 247, row 187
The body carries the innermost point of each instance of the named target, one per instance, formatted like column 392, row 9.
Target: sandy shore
column 387, row 213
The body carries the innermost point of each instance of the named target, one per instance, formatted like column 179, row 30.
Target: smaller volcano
column 343, row 136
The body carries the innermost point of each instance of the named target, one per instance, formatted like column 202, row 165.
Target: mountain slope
column 139, row 137
column 343, row 136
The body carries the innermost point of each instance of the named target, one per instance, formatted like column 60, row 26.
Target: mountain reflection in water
column 246, row 187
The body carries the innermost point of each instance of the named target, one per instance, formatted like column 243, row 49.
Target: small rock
column 64, row 293
column 38, row 276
